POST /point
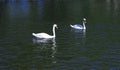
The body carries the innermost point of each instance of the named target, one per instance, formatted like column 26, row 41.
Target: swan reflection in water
column 79, row 35
column 43, row 40
column 46, row 45
column 80, row 31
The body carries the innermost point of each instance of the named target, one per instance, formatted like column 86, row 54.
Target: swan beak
column 56, row 27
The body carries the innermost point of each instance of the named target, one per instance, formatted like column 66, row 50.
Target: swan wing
column 43, row 35
column 77, row 26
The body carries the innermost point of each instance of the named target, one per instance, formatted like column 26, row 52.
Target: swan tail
column 33, row 34
column 71, row 25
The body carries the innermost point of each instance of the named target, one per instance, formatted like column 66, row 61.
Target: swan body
column 78, row 26
column 42, row 35
column 45, row 35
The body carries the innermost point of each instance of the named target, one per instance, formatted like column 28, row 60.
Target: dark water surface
column 97, row 48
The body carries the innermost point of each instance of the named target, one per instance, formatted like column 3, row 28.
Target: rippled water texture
column 96, row 48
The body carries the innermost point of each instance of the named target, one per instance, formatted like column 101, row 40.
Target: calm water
column 97, row 48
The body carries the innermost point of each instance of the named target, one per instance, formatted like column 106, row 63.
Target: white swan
column 45, row 35
column 78, row 26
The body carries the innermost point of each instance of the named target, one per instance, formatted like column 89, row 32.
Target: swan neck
column 53, row 31
column 84, row 25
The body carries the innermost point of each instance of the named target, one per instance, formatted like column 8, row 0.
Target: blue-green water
column 98, row 48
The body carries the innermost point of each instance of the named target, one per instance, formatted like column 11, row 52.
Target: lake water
column 97, row 48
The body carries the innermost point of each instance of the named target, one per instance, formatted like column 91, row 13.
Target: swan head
column 84, row 20
column 55, row 25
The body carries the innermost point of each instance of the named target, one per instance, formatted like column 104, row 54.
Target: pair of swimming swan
column 47, row 36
